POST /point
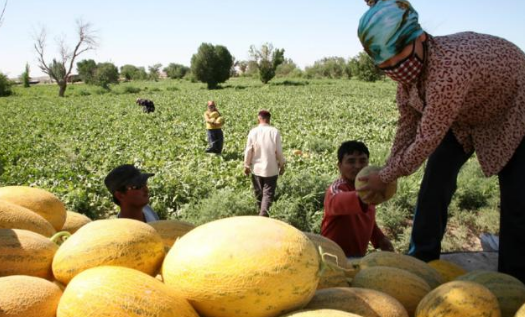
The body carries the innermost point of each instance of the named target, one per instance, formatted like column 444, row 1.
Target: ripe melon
column 361, row 301
column 320, row 313
column 459, row 299
column 334, row 274
column 509, row 291
column 120, row 242
column 38, row 200
column 171, row 230
column 24, row 252
column 243, row 266
column 74, row 221
column 521, row 311
column 17, row 217
column 28, row 296
column 377, row 198
column 448, row 270
column 404, row 286
column 120, row 292
column 404, row 262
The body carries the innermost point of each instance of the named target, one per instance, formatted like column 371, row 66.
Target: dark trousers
column 215, row 141
column 264, row 188
column 435, row 194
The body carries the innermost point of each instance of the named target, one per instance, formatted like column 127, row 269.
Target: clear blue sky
column 143, row 33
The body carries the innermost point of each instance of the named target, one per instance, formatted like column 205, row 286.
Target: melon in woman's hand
column 377, row 198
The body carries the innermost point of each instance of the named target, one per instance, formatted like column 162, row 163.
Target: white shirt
column 264, row 153
column 149, row 214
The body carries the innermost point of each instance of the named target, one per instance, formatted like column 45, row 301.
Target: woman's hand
column 386, row 245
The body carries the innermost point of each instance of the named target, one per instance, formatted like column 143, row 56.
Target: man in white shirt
column 129, row 188
column 264, row 160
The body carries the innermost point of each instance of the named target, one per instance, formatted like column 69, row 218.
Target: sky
column 143, row 33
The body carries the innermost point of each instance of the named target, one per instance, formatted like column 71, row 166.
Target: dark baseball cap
column 125, row 175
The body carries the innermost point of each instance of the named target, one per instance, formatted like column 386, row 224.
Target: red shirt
column 349, row 222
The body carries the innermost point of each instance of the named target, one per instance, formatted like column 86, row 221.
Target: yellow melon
column 120, row 292
column 320, row 313
column 459, row 299
column 404, row 262
column 120, row 242
column 353, row 267
column 28, row 296
column 377, row 198
column 17, row 217
column 361, row 301
column 334, row 274
column 24, row 252
column 448, row 270
column 404, row 286
column 38, row 200
column 521, row 311
column 509, row 291
column 243, row 266
column 171, row 230
column 74, row 221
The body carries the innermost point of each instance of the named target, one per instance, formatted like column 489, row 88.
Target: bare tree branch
column 60, row 70
column 2, row 14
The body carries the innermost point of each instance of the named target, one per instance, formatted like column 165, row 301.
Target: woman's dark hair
column 350, row 147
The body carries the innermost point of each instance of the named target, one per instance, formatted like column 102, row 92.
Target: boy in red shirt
column 347, row 220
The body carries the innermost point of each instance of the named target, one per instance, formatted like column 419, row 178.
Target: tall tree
column 2, row 14
column 86, row 70
column 60, row 68
column 267, row 59
column 154, row 71
column 212, row 64
column 25, row 77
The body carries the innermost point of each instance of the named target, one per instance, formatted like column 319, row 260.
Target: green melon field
column 68, row 145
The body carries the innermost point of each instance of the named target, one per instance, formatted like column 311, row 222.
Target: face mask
column 407, row 70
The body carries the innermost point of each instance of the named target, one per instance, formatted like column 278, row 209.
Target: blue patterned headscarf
column 387, row 28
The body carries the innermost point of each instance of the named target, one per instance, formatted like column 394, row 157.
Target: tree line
column 211, row 64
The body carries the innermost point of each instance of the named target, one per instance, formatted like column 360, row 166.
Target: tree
column 60, row 69
column 105, row 74
column 86, row 70
column 176, row 71
column 25, row 78
column 154, row 72
column 364, row 68
column 212, row 64
column 267, row 60
column 2, row 14
column 5, row 85
column 287, row 69
column 328, row 67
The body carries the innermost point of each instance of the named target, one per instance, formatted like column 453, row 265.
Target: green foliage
column 267, row 59
column 328, row 67
column 87, row 69
column 154, row 72
column 57, row 71
column 211, row 64
column 127, row 89
column 105, row 74
column 176, row 71
column 288, row 69
column 25, row 78
column 364, row 68
column 5, row 86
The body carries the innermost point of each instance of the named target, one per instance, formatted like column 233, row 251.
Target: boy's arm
column 380, row 241
column 343, row 202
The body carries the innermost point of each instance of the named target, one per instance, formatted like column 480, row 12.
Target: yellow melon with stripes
column 509, row 291
column 320, row 313
column 74, row 221
column 120, row 292
column 17, row 217
column 404, row 286
column 24, row 252
column 38, row 200
column 448, row 270
column 171, row 230
column 243, row 266
column 459, row 299
column 28, row 296
column 356, row 300
column 119, row 242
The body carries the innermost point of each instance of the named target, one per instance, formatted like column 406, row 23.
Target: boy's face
column 134, row 195
column 351, row 164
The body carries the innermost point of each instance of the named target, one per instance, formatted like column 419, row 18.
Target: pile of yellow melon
column 246, row 266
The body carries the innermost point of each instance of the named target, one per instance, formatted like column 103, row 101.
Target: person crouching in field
column 347, row 220
column 129, row 188
column 214, row 123
column 147, row 105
